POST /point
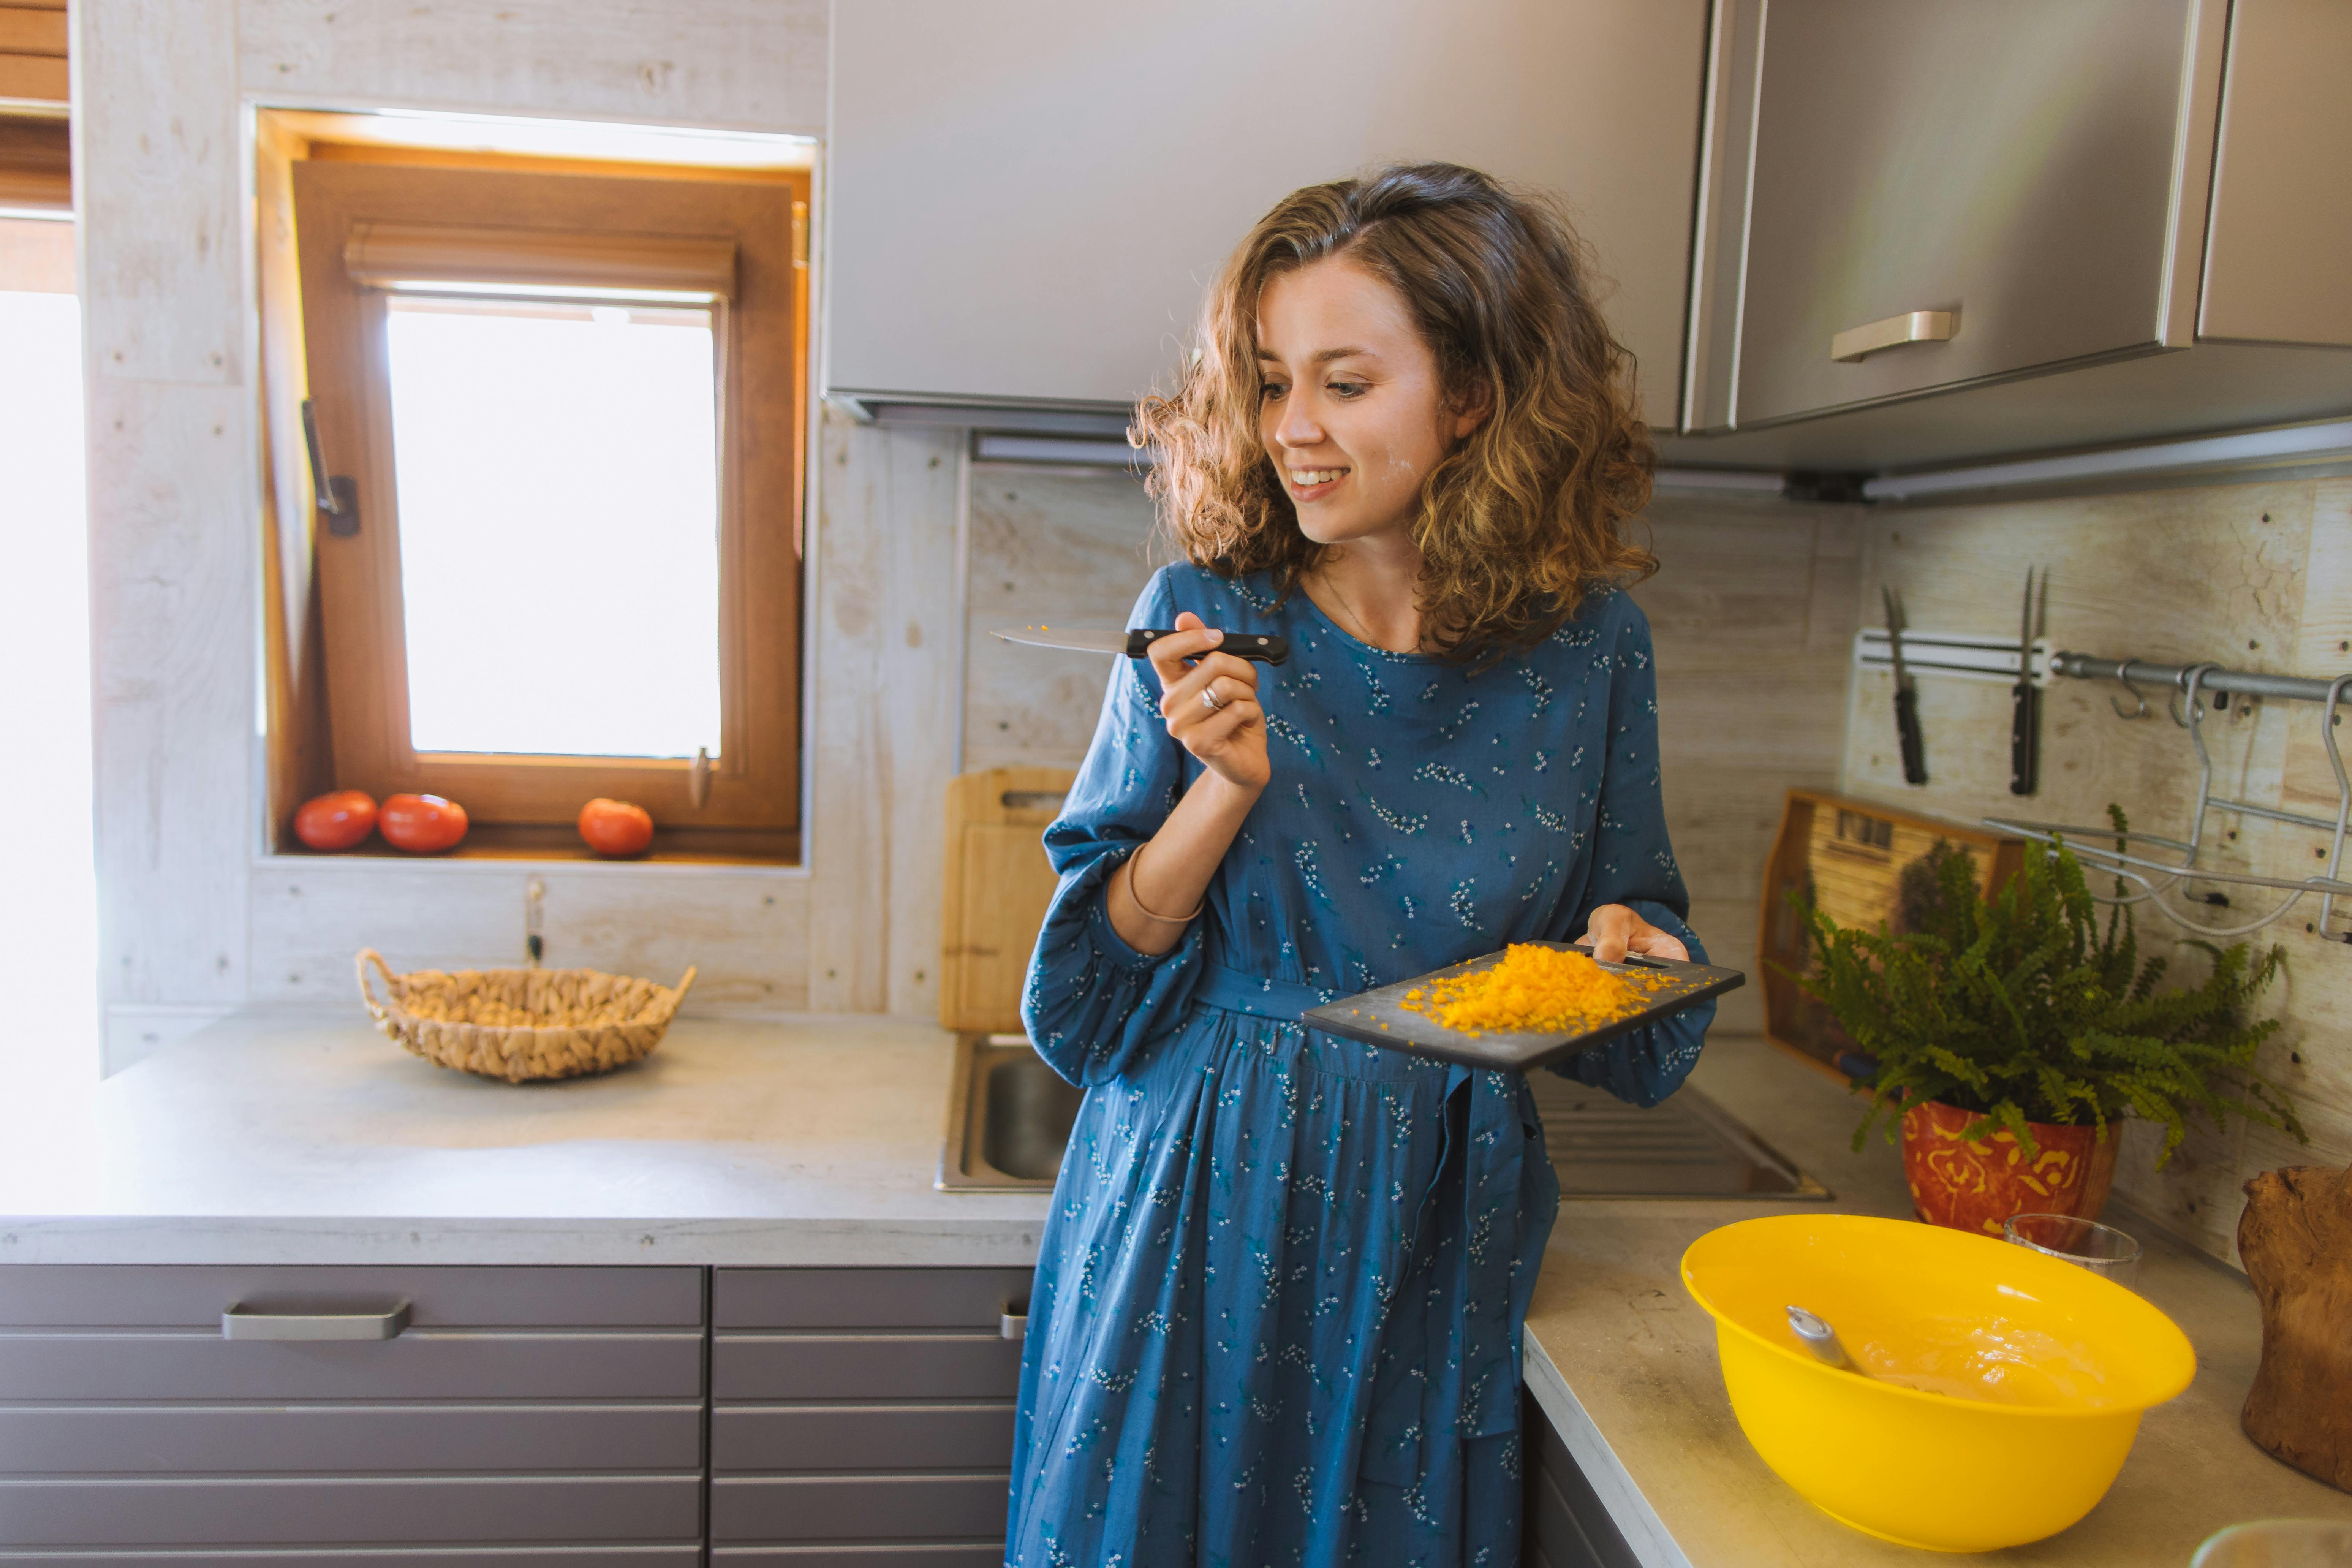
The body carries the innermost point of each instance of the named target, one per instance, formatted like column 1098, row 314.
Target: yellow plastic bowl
column 2006, row 1387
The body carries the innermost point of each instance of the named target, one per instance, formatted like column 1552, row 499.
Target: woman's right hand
column 1227, row 733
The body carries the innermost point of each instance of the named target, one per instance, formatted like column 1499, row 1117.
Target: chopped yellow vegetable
column 1534, row 990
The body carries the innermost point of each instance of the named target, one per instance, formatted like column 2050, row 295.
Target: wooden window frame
column 360, row 225
column 35, row 163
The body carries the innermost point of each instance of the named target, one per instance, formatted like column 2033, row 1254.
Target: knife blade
column 1136, row 642
column 1907, row 695
column 2025, row 697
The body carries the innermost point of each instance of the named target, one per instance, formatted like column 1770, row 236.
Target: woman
column 1277, row 1308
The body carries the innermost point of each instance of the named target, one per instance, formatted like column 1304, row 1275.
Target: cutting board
column 1848, row 856
column 998, row 884
column 1381, row 1018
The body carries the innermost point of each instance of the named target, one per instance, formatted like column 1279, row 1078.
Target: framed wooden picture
column 1861, row 862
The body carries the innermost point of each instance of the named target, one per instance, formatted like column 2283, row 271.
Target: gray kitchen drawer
column 129, row 1366
column 860, row 1438
column 208, row 1511
column 879, row 1508
column 864, row 1297
column 861, row 1366
column 682, row 1554
column 388, row 1439
column 935, row 1554
column 135, row 1297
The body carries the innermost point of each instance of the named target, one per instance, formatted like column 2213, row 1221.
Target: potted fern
column 2011, row 1034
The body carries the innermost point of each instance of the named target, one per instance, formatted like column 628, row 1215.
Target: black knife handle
column 1906, row 724
column 1241, row 645
column 2024, row 738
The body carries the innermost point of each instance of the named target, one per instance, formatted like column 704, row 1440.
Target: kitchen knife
column 1907, row 695
column 1136, row 642
column 2025, row 697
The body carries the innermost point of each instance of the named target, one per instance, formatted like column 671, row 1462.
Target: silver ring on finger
column 1209, row 699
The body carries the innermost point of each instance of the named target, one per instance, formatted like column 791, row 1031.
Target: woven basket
column 519, row 1024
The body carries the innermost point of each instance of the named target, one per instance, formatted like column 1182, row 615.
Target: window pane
column 557, row 469
column 48, row 923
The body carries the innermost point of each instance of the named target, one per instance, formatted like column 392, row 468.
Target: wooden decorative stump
column 2295, row 1239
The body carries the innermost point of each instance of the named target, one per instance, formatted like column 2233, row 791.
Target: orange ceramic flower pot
column 1976, row 1186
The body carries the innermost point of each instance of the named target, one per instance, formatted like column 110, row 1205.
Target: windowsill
column 505, row 842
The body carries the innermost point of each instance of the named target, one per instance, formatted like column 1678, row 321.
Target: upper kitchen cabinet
column 1944, row 194
column 1028, row 197
column 2283, row 179
column 2078, row 221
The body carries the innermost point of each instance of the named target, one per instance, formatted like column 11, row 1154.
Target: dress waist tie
column 1485, row 1152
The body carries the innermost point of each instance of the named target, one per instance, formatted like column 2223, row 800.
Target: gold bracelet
column 1133, row 898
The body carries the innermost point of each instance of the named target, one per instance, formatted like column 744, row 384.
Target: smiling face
column 1352, row 412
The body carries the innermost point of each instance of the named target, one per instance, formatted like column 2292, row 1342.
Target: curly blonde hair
column 1527, row 514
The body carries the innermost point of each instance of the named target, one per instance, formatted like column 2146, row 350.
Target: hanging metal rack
column 2103, row 849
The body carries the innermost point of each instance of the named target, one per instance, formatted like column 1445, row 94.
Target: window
column 49, row 929
column 557, row 423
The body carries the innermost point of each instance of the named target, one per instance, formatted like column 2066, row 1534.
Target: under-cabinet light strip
column 2328, row 442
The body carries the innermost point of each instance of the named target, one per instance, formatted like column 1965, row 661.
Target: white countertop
column 1623, row 1362
column 276, row 1139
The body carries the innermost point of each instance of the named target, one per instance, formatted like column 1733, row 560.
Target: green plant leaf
column 2025, row 1006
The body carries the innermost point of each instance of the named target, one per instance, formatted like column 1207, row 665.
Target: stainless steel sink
column 1687, row 1146
column 1009, row 1119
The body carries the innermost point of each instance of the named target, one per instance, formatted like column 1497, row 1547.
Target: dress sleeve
column 1094, row 1005
column 1633, row 862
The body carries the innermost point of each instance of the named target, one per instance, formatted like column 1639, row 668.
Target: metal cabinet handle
column 1913, row 327
column 1014, row 1325
column 237, row 1323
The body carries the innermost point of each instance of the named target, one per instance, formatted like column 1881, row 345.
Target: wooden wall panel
column 757, row 65
column 2250, row 575
column 743, row 927
column 885, row 684
column 171, row 520
column 1752, row 614
column 172, row 622
column 1044, row 544
column 163, row 295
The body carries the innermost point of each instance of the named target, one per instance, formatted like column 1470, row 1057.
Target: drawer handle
column 1913, row 327
column 1014, row 1325
column 237, row 1323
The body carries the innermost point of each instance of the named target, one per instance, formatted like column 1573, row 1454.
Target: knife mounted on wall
column 1907, row 695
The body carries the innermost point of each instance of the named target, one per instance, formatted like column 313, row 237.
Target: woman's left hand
column 1613, row 931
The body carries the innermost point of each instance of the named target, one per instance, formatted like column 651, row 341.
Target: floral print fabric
column 1278, row 1303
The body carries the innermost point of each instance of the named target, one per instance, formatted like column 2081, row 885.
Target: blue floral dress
column 1278, row 1308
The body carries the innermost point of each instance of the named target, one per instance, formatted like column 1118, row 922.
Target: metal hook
column 2123, row 675
column 2191, row 680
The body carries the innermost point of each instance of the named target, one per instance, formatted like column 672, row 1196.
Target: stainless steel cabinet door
column 2016, row 164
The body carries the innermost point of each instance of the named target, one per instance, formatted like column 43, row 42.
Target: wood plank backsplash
column 2254, row 576
column 1753, row 612
column 1045, row 544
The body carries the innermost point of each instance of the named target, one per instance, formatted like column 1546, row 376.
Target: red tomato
column 421, row 824
column 336, row 821
column 615, row 827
